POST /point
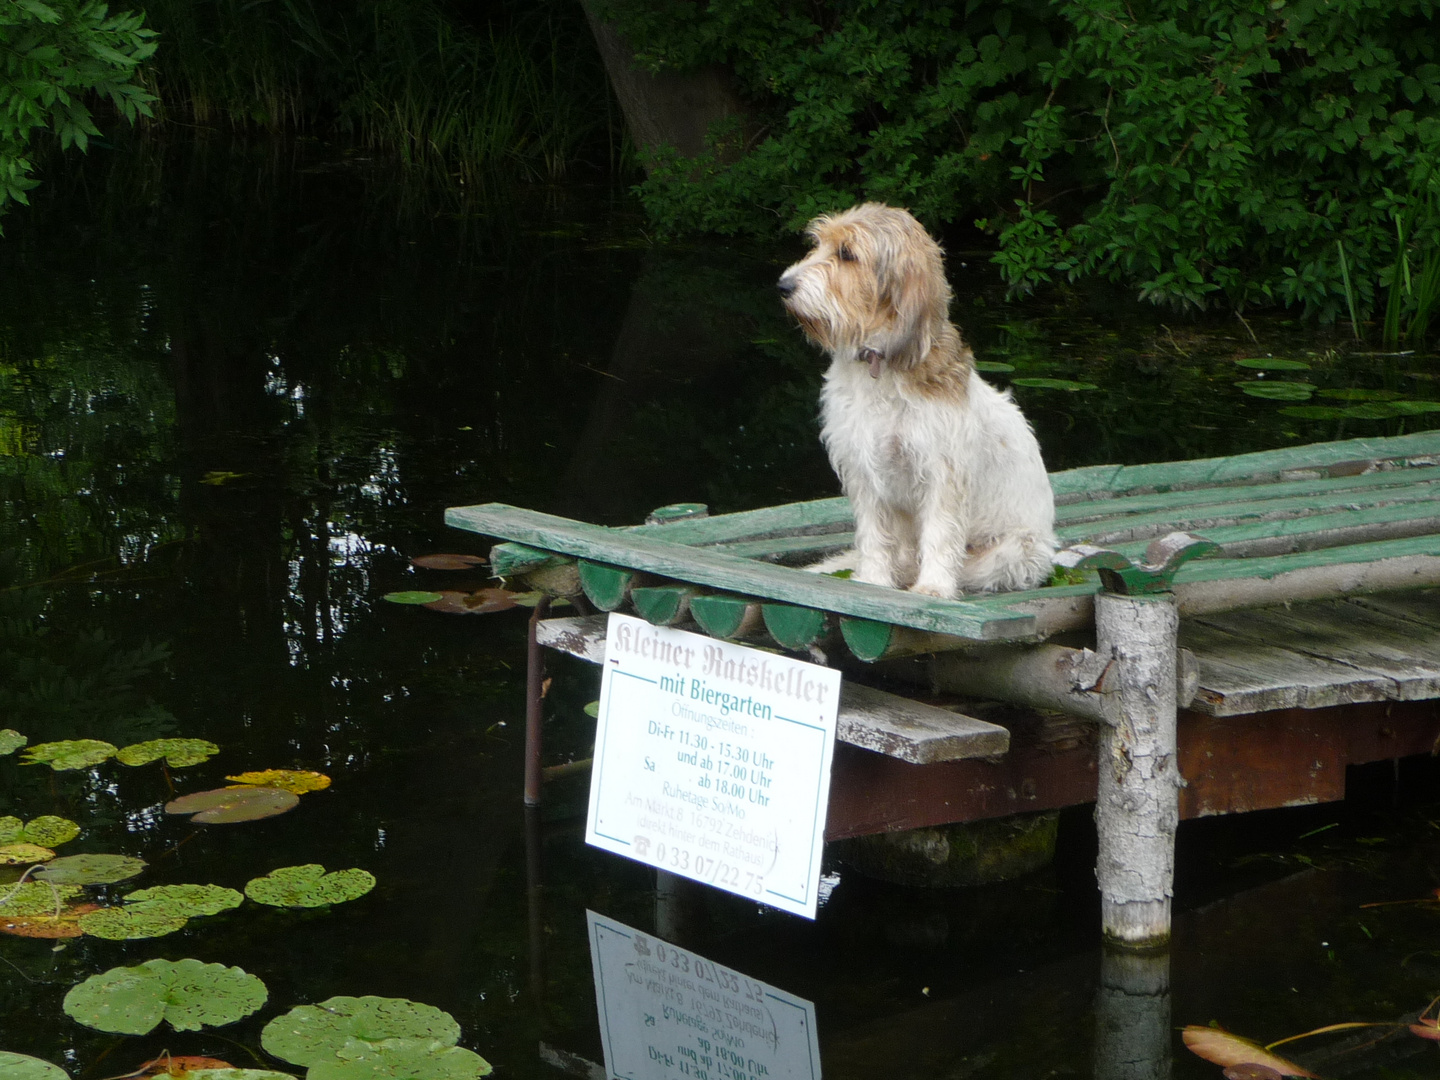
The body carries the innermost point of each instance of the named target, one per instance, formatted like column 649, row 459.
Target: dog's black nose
column 786, row 286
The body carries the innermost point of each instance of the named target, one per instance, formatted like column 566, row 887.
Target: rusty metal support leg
column 534, row 704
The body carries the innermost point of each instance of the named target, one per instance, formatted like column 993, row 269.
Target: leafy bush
column 1197, row 152
column 52, row 55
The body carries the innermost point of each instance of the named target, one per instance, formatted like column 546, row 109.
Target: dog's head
column 874, row 284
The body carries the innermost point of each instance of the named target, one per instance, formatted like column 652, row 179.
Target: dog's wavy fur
column 942, row 470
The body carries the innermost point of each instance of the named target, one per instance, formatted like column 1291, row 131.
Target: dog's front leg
column 884, row 542
column 943, row 532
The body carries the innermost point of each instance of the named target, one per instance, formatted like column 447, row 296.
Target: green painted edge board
column 507, row 560
column 1219, row 470
column 718, row 570
column 1410, row 501
column 749, row 524
column 661, row 605
column 788, row 545
column 719, row 616
column 605, row 586
column 793, row 626
column 1121, row 507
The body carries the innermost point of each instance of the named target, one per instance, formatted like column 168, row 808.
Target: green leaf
column 21, row 1067
column 186, row 993
column 35, row 898
column 90, row 869
column 309, row 886
column 1278, row 390
column 314, row 1034
column 993, row 365
column 226, row 806
column 10, row 741
column 71, row 754
column 1055, row 384
column 1357, row 394
column 185, row 900
column 24, row 854
column 47, row 831
column 1313, row 412
column 177, row 753
column 1270, row 363
column 592, row 708
column 413, row 596
column 236, row 1074
column 124, row 924
column 401, row 1059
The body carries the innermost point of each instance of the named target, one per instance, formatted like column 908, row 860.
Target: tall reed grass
column 521, row 90
column 1415, row 294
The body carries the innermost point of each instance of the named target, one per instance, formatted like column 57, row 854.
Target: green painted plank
column 725, row 616
column 815, row 516
column 605, row 586
column 788, row 546
column 663, row 605
column 866, row 638
column 795, row 628
column 512, row 560
column 1220, row 470
column 720, row 571
column 1411, row 499
column 1119, row 508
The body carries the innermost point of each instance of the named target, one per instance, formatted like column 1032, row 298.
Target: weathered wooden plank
column 720, row 571
column 1418, row 606
column 913, row 731
column 868, row 718
column 788, row 519
column 512, row 560
column 813, row 546
column 1370, row 642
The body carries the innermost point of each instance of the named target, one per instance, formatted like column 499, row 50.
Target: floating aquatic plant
column 187, row 900
column 481, row 602
column 400, row 1059
column 178, row 753
column 299, row 781
column 1055, row 384
column 35, row 898
column 313, row 1035
column 70, row 754
column 1270, row 363
column 47, row 830
column 49, row 925
column 993, row 365
column 168, row 1064
column 128, row 924
column 24, row 854
column 23, row 1067
column 96, row 869
column 447, row 562
column 309, row 886
column 187, row 993
column 10, row 741
column 412, row 596
column 1360, row 394
column 1278, row 389
column 236, row 1074
column 226, row 806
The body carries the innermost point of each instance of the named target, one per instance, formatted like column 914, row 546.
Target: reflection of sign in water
column 667, row 1014
column 712, row 761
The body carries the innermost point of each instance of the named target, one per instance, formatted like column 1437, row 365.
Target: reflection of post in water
column 1132, row 1016
column 535, row 903
column 678, row 907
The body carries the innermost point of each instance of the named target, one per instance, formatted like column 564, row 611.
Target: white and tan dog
column 942, row 470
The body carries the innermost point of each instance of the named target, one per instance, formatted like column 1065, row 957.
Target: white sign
column 712, row 761
column 668, row 1014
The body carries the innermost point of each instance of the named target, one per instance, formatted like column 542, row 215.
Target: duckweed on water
column 187, row 993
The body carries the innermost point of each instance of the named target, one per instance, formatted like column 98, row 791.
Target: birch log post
column 1138, row 801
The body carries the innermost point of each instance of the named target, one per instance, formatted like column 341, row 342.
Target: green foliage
column 312, row 1035
column 309, row 886
column 178, row 753
column 52, row 55
column 187, row 993
column 1198, row 153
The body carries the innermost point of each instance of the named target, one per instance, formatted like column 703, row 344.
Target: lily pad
column 48, row 926
column 401, row 1059
column 22, row 1067
column 24, row 854
column 480, row 602
column 187, row 993
column 237, row 1074
column 448, row 562
column 1313, row 412
column 35, row 898
column 177, row 753
column 1270, row 363
column 10, row 741
column 47, row 830
column 314, row 1034
column 1372, row 410
column 1356, row 394
column 993, row 365
column 1415, row 408
column 1278, row 390
column 309, row 886
column 168, row 1064
column 1220, row 1047
column 1055, row 384
column 412, row 596
column 297, row 780
column 127, row 924
column 187, row 901
column 226, row 806
column 70, row 754
column 90, row 869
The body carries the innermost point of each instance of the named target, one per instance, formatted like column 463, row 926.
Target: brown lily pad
column 1220, row 1047
column 482, row 602
column 49, row 927
column 24, row 854
column 226, row 806
column 447, row 562
column 173, row 1065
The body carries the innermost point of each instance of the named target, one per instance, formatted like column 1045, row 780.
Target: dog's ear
column 914, row 298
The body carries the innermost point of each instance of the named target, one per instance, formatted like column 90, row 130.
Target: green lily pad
column 1414, row 408
column 1270, row 363
column 1055, row 384
column 1278, row 389
column 236, row 1074
column 314, row 1034
column 21, row 1067
column 126, row 924
column 1372, row 410
column 90, row 869
column 187, row 993
column 11, row 829
column 10, row 741
column 309, row 886
column 1356, row 394
column 35, row 898
column 187, row 901
column 47, row 831
column 177, row 753
column 24, row 854
column 993, row 365
column 401, row 1059
column 226, row 806
column 70, row 754
column 413, row 596
column 1313, row 412
column 592, row 708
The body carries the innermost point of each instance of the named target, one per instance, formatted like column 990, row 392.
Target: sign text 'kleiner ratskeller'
column 712, row 761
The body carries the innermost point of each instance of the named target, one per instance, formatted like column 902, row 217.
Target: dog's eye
column 846, row 255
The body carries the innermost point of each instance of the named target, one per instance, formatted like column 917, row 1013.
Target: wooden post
column 1138, row 802
column 534, row 704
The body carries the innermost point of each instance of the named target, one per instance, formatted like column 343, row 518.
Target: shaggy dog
column 942, row 470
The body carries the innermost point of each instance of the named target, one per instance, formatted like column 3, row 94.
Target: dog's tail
column 1020, row 560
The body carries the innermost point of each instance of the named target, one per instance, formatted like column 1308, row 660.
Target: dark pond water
column 238, row 387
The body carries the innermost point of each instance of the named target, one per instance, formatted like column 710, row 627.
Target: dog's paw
column 930, row 589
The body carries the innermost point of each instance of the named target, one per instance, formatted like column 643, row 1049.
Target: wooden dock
column 1287, row 617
